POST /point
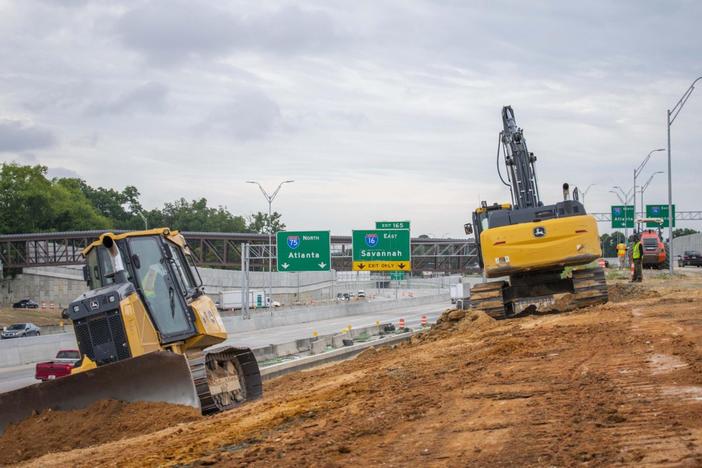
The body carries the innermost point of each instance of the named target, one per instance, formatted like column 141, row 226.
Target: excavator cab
column 142, row 330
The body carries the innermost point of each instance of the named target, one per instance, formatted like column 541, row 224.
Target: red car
column 66, row 359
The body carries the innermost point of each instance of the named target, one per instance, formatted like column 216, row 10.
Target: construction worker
column 621, row 254
column 637, row 257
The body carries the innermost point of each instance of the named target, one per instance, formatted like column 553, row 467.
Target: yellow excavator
column 534, row 254
column 142, row 330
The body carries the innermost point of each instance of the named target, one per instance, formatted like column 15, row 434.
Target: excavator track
column 590, row 287
column 488, row 298
column 225, row 378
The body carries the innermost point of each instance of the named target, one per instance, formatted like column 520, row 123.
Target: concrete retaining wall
column 689, row 242
column 44, row 285
column 61, row 285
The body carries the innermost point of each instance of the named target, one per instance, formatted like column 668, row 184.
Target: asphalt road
column 20, row 376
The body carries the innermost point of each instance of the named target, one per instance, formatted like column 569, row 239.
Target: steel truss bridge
column 223, row 250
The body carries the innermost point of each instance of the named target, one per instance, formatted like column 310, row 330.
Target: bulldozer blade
column 158, row 377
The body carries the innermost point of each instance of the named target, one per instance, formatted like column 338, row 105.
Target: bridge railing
column 215, row 249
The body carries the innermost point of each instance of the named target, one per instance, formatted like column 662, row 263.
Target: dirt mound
column 55, row 431
column 622, row 292
column 457, row 320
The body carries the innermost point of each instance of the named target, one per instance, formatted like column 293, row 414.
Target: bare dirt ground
column 39, row 317
column 619, row 383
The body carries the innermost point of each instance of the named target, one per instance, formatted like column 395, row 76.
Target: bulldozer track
column 232, row 371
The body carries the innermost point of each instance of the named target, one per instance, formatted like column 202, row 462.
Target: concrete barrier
column 18, row 351
column 261, row 319
column 347, row 352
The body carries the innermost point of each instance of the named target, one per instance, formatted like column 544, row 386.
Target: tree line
column 30, row 201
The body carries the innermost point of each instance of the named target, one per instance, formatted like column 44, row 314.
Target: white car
column 361, row 293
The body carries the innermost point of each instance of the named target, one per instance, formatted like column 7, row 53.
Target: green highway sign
column 659, row 211
column 622, row 216
column 397, row 275
column 303, row 250
column 392, row 224
column 381, row 250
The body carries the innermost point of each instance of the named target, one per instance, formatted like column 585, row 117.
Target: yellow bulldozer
column 142, row 330
column 533, row 254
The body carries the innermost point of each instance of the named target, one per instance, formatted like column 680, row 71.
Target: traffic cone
column 424, row 321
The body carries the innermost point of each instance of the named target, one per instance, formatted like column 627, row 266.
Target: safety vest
column 637, row 251
column 621, row 249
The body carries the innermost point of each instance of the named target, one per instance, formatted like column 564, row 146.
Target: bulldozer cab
column 161, row 273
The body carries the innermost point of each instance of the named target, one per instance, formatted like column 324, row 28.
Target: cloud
column 391, row 101
column 17, row 136
column 62, row 172
column 167, row 32
column 149, row 97
column 250, row 116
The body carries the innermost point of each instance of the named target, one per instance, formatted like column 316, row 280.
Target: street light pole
column 269, row 199
column 672, row 114
column 623, row 202
column 637, row 172
column 584, row 192
column 146, row 224
column 624, row 199
column 643, row 189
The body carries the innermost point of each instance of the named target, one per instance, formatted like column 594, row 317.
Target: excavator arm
column 519, row 162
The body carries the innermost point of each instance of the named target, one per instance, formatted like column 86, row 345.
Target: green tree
column 121, row 207
column 609, row 242
column 683, row 232
column 30, row 202
column 196, row 216
column 260, row 222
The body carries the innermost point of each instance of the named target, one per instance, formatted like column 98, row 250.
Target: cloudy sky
column 378, row 110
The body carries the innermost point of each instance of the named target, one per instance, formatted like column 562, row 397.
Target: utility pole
column 672, row 115
column 269, row 199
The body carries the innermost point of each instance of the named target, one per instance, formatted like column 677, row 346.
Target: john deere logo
column 539, row 231
column 371, row 240
column 293, row 242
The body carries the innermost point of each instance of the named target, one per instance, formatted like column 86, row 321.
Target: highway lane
column 20, row 376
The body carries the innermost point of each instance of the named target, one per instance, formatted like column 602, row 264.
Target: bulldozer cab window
column 158, row 288
column 101, row 270
column 181, row 270
column 193, row 270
